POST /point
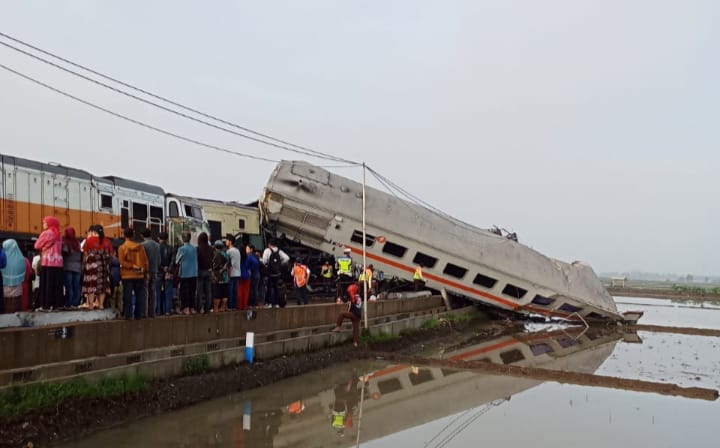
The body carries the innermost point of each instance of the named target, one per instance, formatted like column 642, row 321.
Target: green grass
column 382, row 337
column 21, row 399
column 195, row 365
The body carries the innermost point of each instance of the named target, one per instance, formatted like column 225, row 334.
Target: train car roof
column 46, row 167
column 252, row 205
column 135, row 185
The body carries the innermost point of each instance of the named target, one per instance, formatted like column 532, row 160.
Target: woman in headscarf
column 51, row 261
column 13, row 275
column 97, row 253
column 72, row 266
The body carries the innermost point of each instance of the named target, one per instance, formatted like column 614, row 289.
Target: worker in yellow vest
column 418, row 279
column 301, row 275
column 366, row 276
column 344, row 268
column 326, row 272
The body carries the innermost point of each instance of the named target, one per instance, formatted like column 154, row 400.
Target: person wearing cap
column 344, row 268
column 353, row 312
column 220, row 277
column 301, row 275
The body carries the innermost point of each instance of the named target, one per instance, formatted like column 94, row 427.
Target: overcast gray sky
column 589, row 127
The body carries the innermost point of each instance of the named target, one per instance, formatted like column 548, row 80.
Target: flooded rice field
column 386, row 405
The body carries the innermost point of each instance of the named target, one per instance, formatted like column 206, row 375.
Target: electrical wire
column 298, row 148
column 167, row 109
column 132, row 120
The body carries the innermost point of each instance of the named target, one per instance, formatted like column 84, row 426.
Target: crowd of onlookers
column 144, row 277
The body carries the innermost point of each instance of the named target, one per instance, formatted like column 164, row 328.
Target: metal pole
column 364, row 266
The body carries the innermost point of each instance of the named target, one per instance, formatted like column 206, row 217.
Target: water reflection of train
column 403, row 396
column 297, row 412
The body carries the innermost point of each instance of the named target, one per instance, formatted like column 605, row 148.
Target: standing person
column 301, row 274
column 3, row 263
column 27, row 286
column 13, row 275
column 134, row 268
column 245, row 279
column 152, row 250
column 72, row 267
column 418, row 279
column 253, row 263
column 35, row 293
column 234, row 271
column 262, row 290
column 220, row 278
column 49, row 243
column 187, row 259
column 354, row 312
column 326, row 272
column 165, row 291
column 205, row 255
column 97, row 255
column 274, row 259
column 344, row 268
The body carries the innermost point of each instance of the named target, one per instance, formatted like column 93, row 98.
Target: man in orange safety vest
column 301, row 275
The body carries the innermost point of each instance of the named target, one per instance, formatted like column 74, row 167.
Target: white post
column 364, row 266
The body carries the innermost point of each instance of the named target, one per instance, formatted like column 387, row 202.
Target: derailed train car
column 30, row 190
column 324, row 211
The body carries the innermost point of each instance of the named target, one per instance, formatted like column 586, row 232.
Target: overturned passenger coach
column 324, row 211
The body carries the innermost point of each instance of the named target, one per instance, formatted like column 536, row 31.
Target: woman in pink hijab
column 51, row 265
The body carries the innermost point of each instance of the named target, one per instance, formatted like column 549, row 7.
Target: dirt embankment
column 662, row 294
column 75, row 418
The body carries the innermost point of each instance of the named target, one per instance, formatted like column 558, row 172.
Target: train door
column 9, row 211
column 61, row 207
column 80, row 205
column 35, row 200
column 140, row 217
column 156, row 220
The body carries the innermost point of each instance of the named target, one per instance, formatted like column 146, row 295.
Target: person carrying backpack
column 274, row 259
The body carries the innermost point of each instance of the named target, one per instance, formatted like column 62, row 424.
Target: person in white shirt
column 234, row 262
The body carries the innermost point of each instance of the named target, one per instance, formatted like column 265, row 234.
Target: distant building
column 618, row 282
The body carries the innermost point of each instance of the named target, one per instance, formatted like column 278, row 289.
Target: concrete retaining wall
column 168, row 361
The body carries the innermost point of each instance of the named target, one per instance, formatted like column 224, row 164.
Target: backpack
column 274, row 263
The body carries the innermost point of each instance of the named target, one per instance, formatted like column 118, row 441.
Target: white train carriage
column 324, row 211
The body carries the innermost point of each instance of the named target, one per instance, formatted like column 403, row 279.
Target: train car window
column 357, row 238
column 173, row 210
column 126, row 204
column 215, row 230
column 425, row 260
column 484, row 280
column 596, row 316
column 514, row 291
column 125, row 218
column 241, row 223
column 542, row 300
column 455, row 270
column 511, row 356
column 140, row 212
column 192, row 211
column 540, row 348
column 393, row 249
column 422, row 376
column 389, row 385
column 106, row 201
column 156, row 212
column 570, row 308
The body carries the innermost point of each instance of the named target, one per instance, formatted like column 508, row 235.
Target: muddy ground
column 76, row 418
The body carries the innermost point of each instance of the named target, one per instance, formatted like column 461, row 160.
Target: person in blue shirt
column 252, row 266
column 186, row 258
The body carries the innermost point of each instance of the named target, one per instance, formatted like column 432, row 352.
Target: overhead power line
column 132, row 120
column 170, row 110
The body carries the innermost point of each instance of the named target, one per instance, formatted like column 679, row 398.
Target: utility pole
column 364, row 253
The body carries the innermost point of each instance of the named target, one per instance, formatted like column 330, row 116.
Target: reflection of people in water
column 264, row 426
column 347, row 399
